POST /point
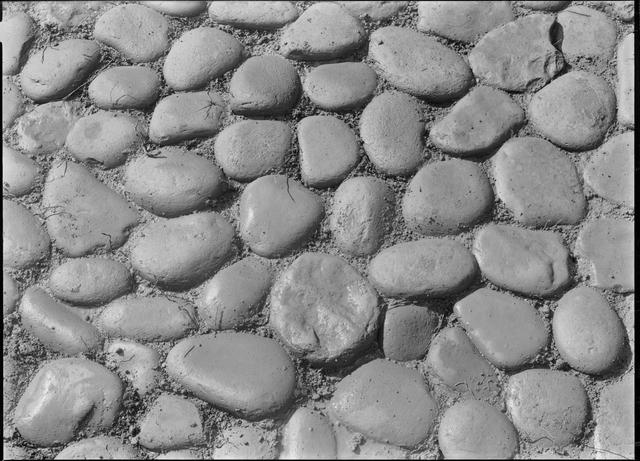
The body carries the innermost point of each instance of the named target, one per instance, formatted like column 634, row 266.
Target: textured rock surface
column 19, row 173
column 263, row 15
column 10, row 294
column 138, row 363
column 12, row 103
column 246, row 441
column 125, row 87
column 615, row 420
column 172, row 422
column 180, row 9
column 374, row 10
column 586, row 34
column 340, row 86
column 16, row 34
column 407, row 332
column 100, row 447
column 308, row 435
column 44, row 129
column 24, row 240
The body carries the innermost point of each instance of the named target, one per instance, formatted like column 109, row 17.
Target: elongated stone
column 374, row 10
column 10, row 294
column 179, row 9
column 125, row 87
column 614, row 432
column 24, row 240
column 251, row 15
column 626, row 81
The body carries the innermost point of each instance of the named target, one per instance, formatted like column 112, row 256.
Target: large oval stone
column 340, row 86
column 125, row 87
column 24, row 240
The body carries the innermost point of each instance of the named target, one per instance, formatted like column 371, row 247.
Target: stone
column 472, row 429
column 24, row 240
column 100, row 447
column 462, row 21
column 44, row 129
column 446, row 197
column 366, row 448
column 392, row 129
column 184, row 116
column 323, row 31
column 606, row 246
column 172, row 181
column 246, row 441
column 249, row 149
column 374, row 10
column 249, row 15
column 433, row 267
column 179, row 454
column 278, row 215
column 125, row 87
column 308, row 435
column 507, row 330
column 626, row 83
column 182, row 252
column 361, row 215
column 12, row 103
column 534, row 263
column 67, row 16
column 235, row 294
column 171, row 422
column 20, row 174
column 147, row 318
column 340, row 86
column 323, row 310
column 405, row 59
column 478, row 123
column 548, row 407
column 538, row 183
column 553, row 5
column 199, row 56
column 609, row 171
column 587, row 332
column 407, row 332
column 387, row 402
column 179, row 9
column 138, row 363
column 139, row 33
column 574, row 111
column 105, row 138
column 329, row 150
column 519, row 56
column 84, row 214
column 264, row 85
column 615, row 420
column 587, row 34
column 16, row 34
column 90, row 281
column 246, row 375
column 66, row 396
column 457, row 364
column 10, row 294
column 58, row 70
column 14, row 452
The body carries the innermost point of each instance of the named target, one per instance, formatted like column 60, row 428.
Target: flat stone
column 607, row 246
column 100, row 447
column 548, row 407
column 538, row 183
column 67, row 16
column 12, row 103
column 19, row 173
column 574, row 111
column 264, row 85
column 615, row 420
column 552, row 5
column 626, row 82
column 278, row 215
column 246, row 375
column 66, row 396
column 250, row 15
column 587, row 34
column 340, row 86
column 139, row 33
column 392, row 129
column 171, row 422
column 329, row 150
column 457, row 364
column 10, row 294
column 249, row 149
column 432, row 267
column 172, row 181
column 387, row 402
column 57, row 70
column 180, row 454
column 199, row 56
column 182, row 252
column 405, row 59
column 323, row 31
column 462, row 21
column 374, row 10
column 24, row 240
column 519, row 56
column 179, row 9
column 125, row 87
column 44, row 129
column 610, row 170
column 407, row 332
column 184, row 116
column 533, row 263
column 85, row 215
column 106, row 138
column 361, row 215
column 446, row 197
column 507, row 330
column 235, row 294
column 323, row 309
column 366, row 448
column 16, row 34
column 478, row 123
column 137, row 362
column 308, row 435
column 246, row 441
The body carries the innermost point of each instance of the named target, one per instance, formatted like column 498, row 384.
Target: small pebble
column 252, row 15
column 125, row 87
column 246, row 441
column 10, row 294
column 138, row 363
column 100, row 447
column 180, row 9
column 552, row 5
column 626, row 82
column 308, row 435
column 171, row 422
column 340, row 86
column 12, row 103
column 374, row 10
column 407, row 332
column 587, row 35
column 19, row 173
column 44, row 129
column 16, row 34
column 614, row 432
column 24, row 239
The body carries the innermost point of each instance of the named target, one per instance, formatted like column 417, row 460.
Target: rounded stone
column 446, row 197
column 10, row 294
column 246, row 441
column 171, row 422
column 614, row 432
column 308, row 435
column 574, row 111
column 182, row 252
column 16, row 34
column 44, row 129
column 100, row 447
column 179, row 9
column 246, row 375
column 407, row 332
column 278, row 215
column 12, row 103
column 19, row 173
column 340, row 86
column 172, row 181
column 626, row 81
column 374, row 10
column 405, row 59
column 587, row 332
column 392, row 129
column 24, row 240
column 138, row 363
column 433, row 267
column 587, row 34
column 323, row 309
column 125, row 87
column 253, row 15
